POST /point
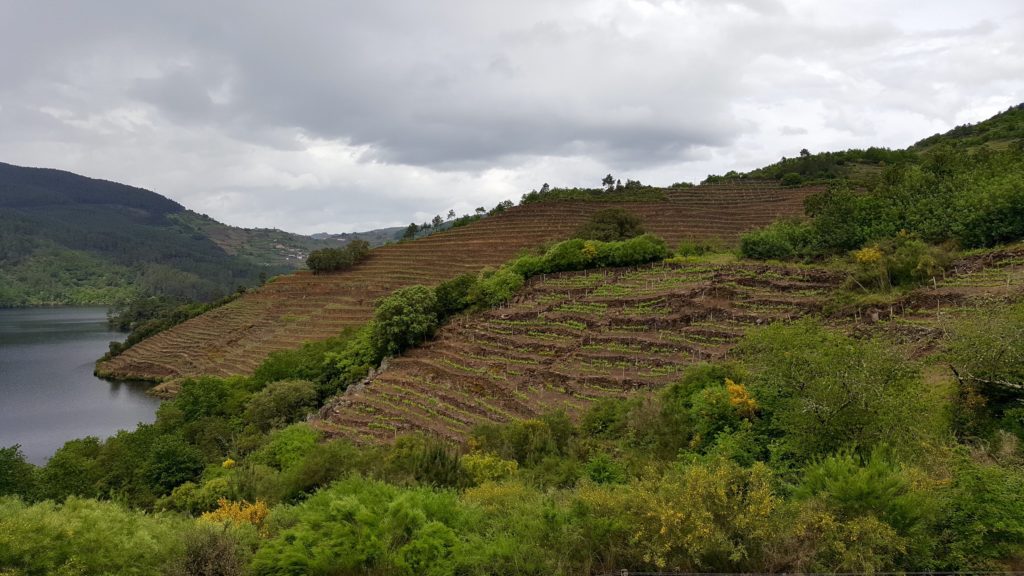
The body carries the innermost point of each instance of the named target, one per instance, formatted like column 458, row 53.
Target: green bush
column 611, row 225
column 452, row 294
column 367, row 527
column 17, row 477
column 791, row 179
column 986, row 350
column 822, row 391
column 982, row 523
column 74, row 470
column 280, row 404
column 82, row 537
column 334, row 259
column 903, row 260
column 404, row 319
column 494, row 287
column 781, row 240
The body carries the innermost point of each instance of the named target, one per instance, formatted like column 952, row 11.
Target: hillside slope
column 572, row 338
column 69, row 239
column 302, row 307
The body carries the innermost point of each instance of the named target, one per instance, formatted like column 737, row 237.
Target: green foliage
column 983, row 520
column 287, row 447
column 210, row 551
column 426, row 461
column 494, row 287
column 611, row 225
column 635, row 193
column 17, row 477
column 367, row 527
column 903, row 260
column 791, row 179
column 336, row 259
column 973, row 198
column 781, row 240
column 987, row 352
column 67, row 239
column 452, row 295
column 854, row 486
column 172, row 462
column 603, row 469
column 72, row 471
column 824, row 392
column 85, row 537
column 482, row 467
column 404, row 319
column 280, row 404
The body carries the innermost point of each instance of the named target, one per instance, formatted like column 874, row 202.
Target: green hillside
column 863, row 167
column 68, row 239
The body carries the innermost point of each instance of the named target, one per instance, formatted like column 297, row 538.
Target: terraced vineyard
column 572, row 338
column 301, row 307
column 575, row 337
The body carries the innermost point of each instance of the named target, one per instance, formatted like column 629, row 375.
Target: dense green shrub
column 404, row 319
column 335, row 259
column 494, row 287
column 82, row 537
column 903, row 260
column 73, row 470
column 982, row 523
column 987, row 353
column 280, row 404
column 781, row 240
column 973, row 198
column 823, row 392
column 367, row 527
column 452, row 294
column 611, row 225
column 17, row 477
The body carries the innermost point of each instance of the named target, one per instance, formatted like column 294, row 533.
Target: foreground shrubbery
column 809, row 451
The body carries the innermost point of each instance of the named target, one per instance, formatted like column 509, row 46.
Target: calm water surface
column 48, row 394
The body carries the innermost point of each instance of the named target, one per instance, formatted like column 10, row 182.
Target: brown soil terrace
column 571, row 338
column 235, row 338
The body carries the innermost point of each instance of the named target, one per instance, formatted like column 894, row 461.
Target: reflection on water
column 48, row 394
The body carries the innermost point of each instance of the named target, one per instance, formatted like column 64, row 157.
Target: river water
column 48, row 394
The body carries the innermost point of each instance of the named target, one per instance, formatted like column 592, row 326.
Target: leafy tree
column 172, row 462
column 17, row 477
column 611, row 225
column 334, row 259
column 280, row 404
column 451, row 214
column 404, row 319
column 410, row 231
column 608, row 182
column 823, row 392
column 73, row 470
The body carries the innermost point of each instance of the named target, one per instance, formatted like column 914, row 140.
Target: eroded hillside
column 301, row 307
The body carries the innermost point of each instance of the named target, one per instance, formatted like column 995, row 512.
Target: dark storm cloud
column 319, row 115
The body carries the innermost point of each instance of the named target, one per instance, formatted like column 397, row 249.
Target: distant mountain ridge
column 70, row 239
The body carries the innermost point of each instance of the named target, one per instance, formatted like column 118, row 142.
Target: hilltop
column 69, row 239
column 235, row 338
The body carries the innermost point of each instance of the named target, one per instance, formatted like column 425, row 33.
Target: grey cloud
column 373, row 112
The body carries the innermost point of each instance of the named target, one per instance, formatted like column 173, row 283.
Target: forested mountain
column 69, row 239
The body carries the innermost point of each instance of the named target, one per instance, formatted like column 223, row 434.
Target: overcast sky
column 350, row 115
